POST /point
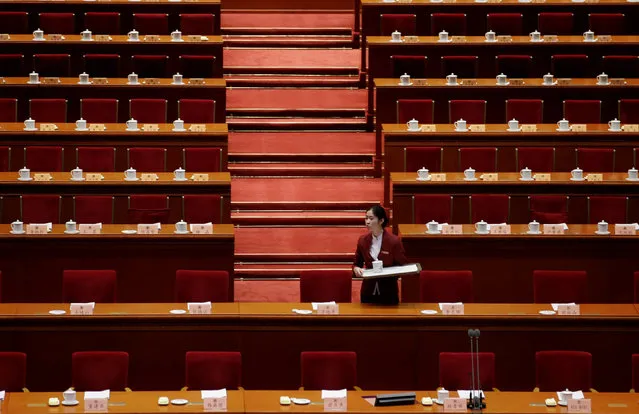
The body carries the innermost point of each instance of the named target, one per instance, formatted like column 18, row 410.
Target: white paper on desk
column 565, row 226
column 49, row 225
column 98, row 224
column 466, row 393
column 494, row 224
column 97, row 394
column 2, row 395
column 636, row 225
column 555, row 306
column 576, row 395
column 214, row 393
column 392, row 270
column 210, row 223
column 334, row 393
column 314, row 304
column 441, row 226
column 441, row 305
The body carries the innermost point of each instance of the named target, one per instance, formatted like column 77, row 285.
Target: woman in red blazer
column 378, row 244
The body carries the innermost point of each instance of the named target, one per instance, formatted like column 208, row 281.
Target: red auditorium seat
column 8, row 110
column 454, row 370
column 95, row 159
column 595, row 159
column 197, row 66
column 436, row 286
column 561, row 370
column 406, row 24
column 329, row 370
column 148, row 111
column 148, row 208
column 102, row 22
column 202, row 208
column 48, row 110
column 620, row 66
column 629, row 111
column 505, row 23
column 12, row 65
column 582, row 111
column 5, row 159
column 462, row 66
column 197, row 24
column 56, row 65
column 427, row 207
column 548, row 209
column 150, row 66
column 326, row 286
column 422, row 110
column 635, row 370
column 89, row 286
column 102, row 65
column 197, row 111
column 492, row 208
column 147, row 159
column 423, row 157
column 526, row 111
column 97, row 110
column 13, row 371
column 99, row 370
column 514, row 66
column 570, row 66
column 93, row 209
column 482, row 159
column 560, row 286
column 555, row 23
column 151, row 23
column 415, row 66
column 607, row 23
column 213, row 370
column 453, row 23
column 59, row 23
column 473, row 111
column 202, row 159
column 40, row 208
column 16, row 22
column 613, row 209
column 47, row 159
column 202, row 286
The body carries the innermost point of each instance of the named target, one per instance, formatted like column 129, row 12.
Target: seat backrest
column 422, row 110
column 437, row 207
column 150, row 66
column 406, row 24
column 514, row 66
column 612, row 209
column 629, row 111
column 571, row 66
column 560, row 370
column 151, row 23
column 423, row 157
column 462, row 66
column 52, row 65
column 505, row 23
column 197, row 111
column 455, row 369
column 16, row 22
column 89, row 286
column 202, row 286
column 437, row 286
column 197, row 24
column 197, row 66
column 549, row 209
column 202, row 159
column 46, row 159
column 13, row 371
column 48, row 110
column 147, row 159
column 102, row 65
column 526, row 111
column 59, row 23
column 93, row 209
column 151, row 111
column 453, row 23
column 326, row 286
column 102, row 22
column 40, row 208
column 102, row 111
column 99, row 370
column 492, row 208
column 553, row 23
column 595, row 159
column 538, row 159
column 12, row 65
column 482, row 159
column 8, row 110
column 582, row 111
column 560, row 286
column 472, row 111
column 415, row 66
column 202, row 208
column 607, row 23
column 329, row 370
column 213, row 370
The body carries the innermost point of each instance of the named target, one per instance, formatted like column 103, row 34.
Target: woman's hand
column 359, row 272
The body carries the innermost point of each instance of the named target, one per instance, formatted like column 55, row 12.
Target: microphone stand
column 475, row 402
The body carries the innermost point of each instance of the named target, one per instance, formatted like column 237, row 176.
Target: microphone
column 476, row 399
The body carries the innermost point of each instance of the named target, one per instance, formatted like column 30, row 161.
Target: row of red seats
column 108, row 65
column 96, row 110
column 106, row 23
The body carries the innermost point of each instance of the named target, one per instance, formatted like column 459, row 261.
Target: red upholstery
column 473, row 111
column 629, row 111
column 505, row 23
column 47, row 159
column 526, row 111
column 95, row 159
column 197, row 111
column 462, row 66
column 102, row 65
column 635, row 370
column 329, row 370
column 492, row 208
column 40, row 208
column 93, row 209
column 8, row 110
column 549, row 209
column 582, row 111
column 560, row 370
column 202, row 286
column 63, row 23
column 150, row 66
column 453, row 23
column 406, row 24
column 326, row 286
column 607, row 23
column 415, row 66
column 427, row 157
column 429, row 207
column 5, row 159
column 202, row 159
column 89, row 286
column 613, row 209
column 455, row 369
column 482, row 159
column 147, row 159
column 202, row 208
column 197, row 66
column 102, row 22
column 555, row 23
column 99, row 370
column 148, row 111
column 213, row 370
column 148, row 208
column 101, row 111
column 197, row 24
column 571, row 66
column 48, row 110
column 16, row 22
column 560, row 286
column 596, row 159
column 420, row 109
column 151, row 23
column 12, row 65
column 620, row 66
column 58, row 65
column 436, row 286
column 13, row 371
column 514, row 66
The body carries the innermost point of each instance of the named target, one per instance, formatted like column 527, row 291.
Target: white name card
column 96, row 404
column 517, row 82
column 42, row 177
column 199, row 308
column 94, row 177
column 631, row 127
column 200, row 177
column 100, row 81
column 4, row 36
column 205, row 228
column 82, row 308
column 553, row 229
column 500, row 229
column 197, row 128
column 152, row 38
column 568, row 309
column 335, row 404
column 429, row 128
column 477, row 128
column 151, row 127
column 438, row 177
column 455, row 404
column 148, row 229
column 97, row 127
column 594, row 177
column 90, row 228
column 625, row 229
column 214, row 400
column 149, row 177
column 542, row 177
column 37, row 228
column 529, row 127
column 452, row 229
column 579, row 128
column 327, row 309
column 490, row 177
column 580, row 406
column 452, row 309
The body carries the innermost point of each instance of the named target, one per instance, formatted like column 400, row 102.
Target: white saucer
column 302, row 311
column 433, row 232
column 562, row 403
column 445, row 41
column 563, row 130
column 179, row 130
column 33, row 83
column 397, row 41
column 405, row 84
column 547, row 312
column 179, row 401
column 603, row 84
column 461, row 130
column 84, row 83
column 87, row 40
column 549, row 84
column 482, row 232
column 57, row 312
column 428, row 312
column 471, row 179
column 177, row 311
column 78, row 179
column 181, row 179
column 300, row 401
column 181, row 232
column 533, row 232
column 526, row 179
column 82, row 129
column 414, row 130
column 489, row 41
column 70, row 403
column 438, row 402
column 129, row 231
column 25, row 179
column 424, row 179
column 17, row 232
column 577, row 179
column 174, row 83
column 132, row 129
column 604, row 233
column 502, row 84
column 615, row 130
column 590, row 41
column 632, row 179
column 453, row 84
column 30, row 129
column 514, row 130
column 177, row 40
column 72, row 232
column 133, row 83
column 537, row 41
column 132, row 179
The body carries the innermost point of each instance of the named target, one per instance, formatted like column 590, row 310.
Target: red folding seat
column 93, row 209
column 473, row 111
column 48, row 159
column 607, row 23
column 462, row 66
column 453, row 23
column 455, row 370
column 48, row 110
column 150, row 66
column 436, row 286
column 329, row 370
column 422, row 110
column 415, row 66
column 482, row 159
column 406, row 24
column 99, row 370
column 620, row 66
column 202, row 208
column 15, row 22
column 560, row 286
column 582, row 111
column 56, row 65
column 612, row 209
column 538, row 159
column 197, row 111
column 423, row 157
column 595, row 159
column 5, row 159
column 102, row 22
column 505, row 23
column 88, row 286
column 514, row 66
column 548, row 209
column 151, row 23
column 8, row 110
column 635, row 370
column 326, row 286
column 147, row 159
column 629, row 111
column 202, row 159
column 148, row 111
column 12, row 65
column 526, row 111
column 148, row 208
column 197, row 66
column 102, row 65
column 98, row 110
column 197, row 24
column 492, row 208
column 40, row 208
column 60, row 23
column 563, row 370
column 202, row 286
column 427, row 207
column 571, row 66
column 95, row 159
column 555, row 23
column 213, row 370
column 13, row 371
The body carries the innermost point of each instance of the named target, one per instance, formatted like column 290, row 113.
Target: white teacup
column 549, row 79
column 564, row 396
column 177, row 79
column 130, row 174
column 17, row 227
column 602, row 79
column 413, row 125
column 176, row 36
column 533, row 227
column 179, row 174
column 81, row 124
column 589, row 36
column 378, row 265
column 563, row 125
column 405, row 79
column 132, row 125
column 481, row 227
column 469, row 173
column 134, row 35
column 86, row 34
column 133, row 78
column 69, row 395
column 460, row 125
column 84, row 78
column 614, row 125
column 432, row 226
column 29, row 124
column 38, row 34
column 181, row 227
column 513, row 125
column 535, row 36
column 442, row 394
column 577, row 174
column 178, row 125
column 490, row 36
column 526, row 173
column 24, row 173
column 423, row 173
column 70, row 226
column 76, row 174
column 396, row 36
column 502, row 79
column 602, row 227
column 443, row 36
column 633, row 174
column 34, row 77
column 451, row 79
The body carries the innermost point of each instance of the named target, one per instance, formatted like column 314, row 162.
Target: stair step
column 284, row 270
column 278, row 218
column 292, row 61
column 297, row 169
column 288, row 41
column 279, row 124
column 287, row 23
column 265, row 80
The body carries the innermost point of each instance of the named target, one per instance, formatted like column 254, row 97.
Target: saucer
column 175, row 83
column 78, row 179
column 33, row 83
column 603, row 84
column 428, row 312
column 632, row 179
column 57, row 312
column 70, row 403
column 514, row 130
column 414, row 130
column 30, row 129
column 181, row 232
column 133, row 83
column 590, row 41
column 563, row 130
column 132, row 129
column 547, row 312
column 181, row 179
column 526, row 179
column 17, row 232
column 453, row 84
column 602, row 233
column 301, row 401
column 482, row 232
column 444, row 41
column 562, row 403
column 397, row 41
column 549, row 84
column 405, row 84
column 537, row 41
column 502, row 84
column 533, row 232
column 179, row 401
column 614, row 130
column 129, row 231
column 179, row 130
column 25, row 179
column 72, row 232
column 177, row 40
column 471, row 179
column 490, row 41
column 433, row 232
column 82, row 129
column 177, row 311
column 424, row 179
column 438, row 401
column 577, row 179
column 132, row 179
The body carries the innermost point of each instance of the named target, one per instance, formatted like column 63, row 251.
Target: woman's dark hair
column 379, row 212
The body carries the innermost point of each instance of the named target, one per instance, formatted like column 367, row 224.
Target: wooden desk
column 117, row 88
column 14, row 136
column 397, row 347
column 119, row 45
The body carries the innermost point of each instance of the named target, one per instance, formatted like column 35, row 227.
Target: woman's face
column 372, row 222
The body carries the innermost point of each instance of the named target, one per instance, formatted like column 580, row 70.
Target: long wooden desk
column 118, row 45
column 14, row 136
column 117, row 88
column 397, row 347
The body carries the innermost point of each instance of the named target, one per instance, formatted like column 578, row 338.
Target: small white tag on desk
column 102, row 38
column 580, row 406
column 500, row 229
column 151, row 38
column 151, row 127
column 82, row 308
column 529, row 128
column 42, row 177
column 631, row 127
column 96, row 400
column 149, row 228
column 517, row 82
column 334, row 400
column 456, row 308
column 452, row 229
column 625, row 229
column 214, row 400
column 594, row 177
column 477, row 128
column 568, row 309
column 196, row 81
column 5, row 36
column 97, row 127
column 203, row 228
column 200, row 177
column 617, row 81
column 199, row 308
column 490, row 177
column 197, row 128
column 455, row 405
column 542, row 177
column 48, row 127
column 100, row 81
column 429, row 128
column 327, row 309
column 149, row 177
column 579, row 128
column 438, row 177
column 37, row 228
column 553, row 229
column 90, row 228
column 94, row 177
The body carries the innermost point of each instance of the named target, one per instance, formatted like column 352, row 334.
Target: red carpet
column 277, row 22
column 301, row 143
column 345, row 60
column 296, row 99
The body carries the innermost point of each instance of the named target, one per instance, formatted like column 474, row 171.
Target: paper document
column 97, row 394
column 334, row 393
column 214, row 393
